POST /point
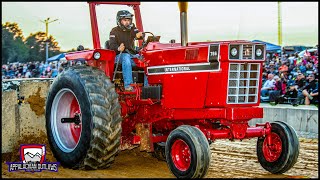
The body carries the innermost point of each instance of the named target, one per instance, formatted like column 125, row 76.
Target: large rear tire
column 283, row 152
column 94, row 141
column 187, row 152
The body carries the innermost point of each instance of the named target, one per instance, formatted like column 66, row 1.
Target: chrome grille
column 243, row 83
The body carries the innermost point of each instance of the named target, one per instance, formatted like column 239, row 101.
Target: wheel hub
column 273, row 151
column 181, row 155
column 66, row 120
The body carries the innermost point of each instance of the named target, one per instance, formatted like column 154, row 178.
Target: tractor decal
column 183, row 68
column 213, row 55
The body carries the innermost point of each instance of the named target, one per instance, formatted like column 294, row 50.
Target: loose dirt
column 37, row 103
column 229, row 160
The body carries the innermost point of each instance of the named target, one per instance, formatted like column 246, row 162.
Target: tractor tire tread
column 105, row 140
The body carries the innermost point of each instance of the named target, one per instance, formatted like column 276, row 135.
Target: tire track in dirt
column 239, row 160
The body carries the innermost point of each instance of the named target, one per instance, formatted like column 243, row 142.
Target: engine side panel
column 184, row 90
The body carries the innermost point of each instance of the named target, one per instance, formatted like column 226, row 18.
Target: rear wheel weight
column 187, row 152
column 100, row 121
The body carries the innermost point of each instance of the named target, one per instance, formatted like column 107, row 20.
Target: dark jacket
column 118, row 36
column 301, row 83
column 311, row 86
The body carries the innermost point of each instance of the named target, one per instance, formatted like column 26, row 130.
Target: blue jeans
column 264, row 92
column 127, row 64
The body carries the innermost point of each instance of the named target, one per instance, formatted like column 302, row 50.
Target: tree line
column 17, row 48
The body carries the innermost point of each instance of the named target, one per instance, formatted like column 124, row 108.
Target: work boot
column 272, row 103
column 295, row 103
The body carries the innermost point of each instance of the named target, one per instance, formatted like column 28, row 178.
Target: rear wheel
column 283, row 152
column 83, row 118
column 187, row 152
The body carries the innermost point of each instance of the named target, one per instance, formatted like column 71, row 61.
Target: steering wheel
column 144, row 41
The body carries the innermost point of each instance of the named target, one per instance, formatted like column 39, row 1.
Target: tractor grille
column 243, row 83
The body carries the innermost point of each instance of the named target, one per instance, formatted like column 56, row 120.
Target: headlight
column 234, row 51
column 96, row 55
column 258, row 52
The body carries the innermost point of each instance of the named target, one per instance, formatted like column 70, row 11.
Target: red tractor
column 198, row 92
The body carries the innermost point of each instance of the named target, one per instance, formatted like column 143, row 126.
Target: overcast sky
column 206, row 21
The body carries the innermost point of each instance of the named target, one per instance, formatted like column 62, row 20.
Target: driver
column 121, row 38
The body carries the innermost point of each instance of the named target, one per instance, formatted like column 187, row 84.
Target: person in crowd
column 310, row 91
column 276, row 91
column 290, row 80
column 20, row 68
column 28, row 74
column 299, row 85
column 291, row 68
column 272, row 68
column 264, row 77
column 302, row 67
column 283, row 68
column 54, row 71
column 268, row 85
column 24, row 71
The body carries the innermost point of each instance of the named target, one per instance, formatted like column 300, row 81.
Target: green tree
column 13, row 47
column 16, row 48
column 36, row 42
column 14, row 28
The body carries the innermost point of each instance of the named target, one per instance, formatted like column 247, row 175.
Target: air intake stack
column 183, row 7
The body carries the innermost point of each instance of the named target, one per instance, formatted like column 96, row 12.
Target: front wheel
column 187, row 152
column 282, row 153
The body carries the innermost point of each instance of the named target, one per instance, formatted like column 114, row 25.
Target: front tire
column 187, row 152
column 283, row 152
column 94, row 142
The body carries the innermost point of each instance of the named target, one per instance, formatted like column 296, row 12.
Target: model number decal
column 213, row 55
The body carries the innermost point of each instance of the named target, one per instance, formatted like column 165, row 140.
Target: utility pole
column 46, row 21
column 279, row 25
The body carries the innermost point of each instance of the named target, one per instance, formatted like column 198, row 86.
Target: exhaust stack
column 183, row 7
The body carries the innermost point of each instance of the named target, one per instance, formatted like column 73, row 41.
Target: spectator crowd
column 290, row 79
column 286, row 79
column 31, row 70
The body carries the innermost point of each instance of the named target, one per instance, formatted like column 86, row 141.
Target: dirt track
column 229, row 160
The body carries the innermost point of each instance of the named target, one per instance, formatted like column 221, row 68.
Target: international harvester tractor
column 198, row 92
